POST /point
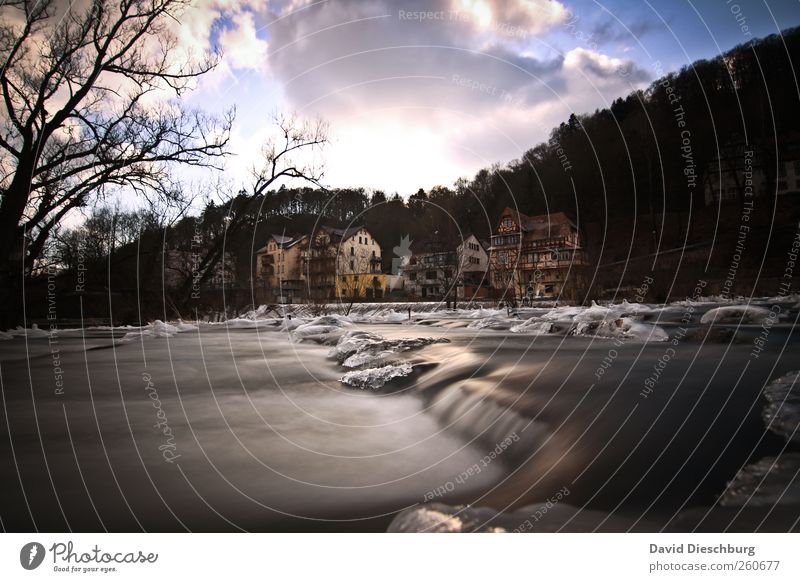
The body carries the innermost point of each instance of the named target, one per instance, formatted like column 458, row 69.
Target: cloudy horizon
column 419, row 94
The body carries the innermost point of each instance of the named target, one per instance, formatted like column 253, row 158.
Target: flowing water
column 224, row 428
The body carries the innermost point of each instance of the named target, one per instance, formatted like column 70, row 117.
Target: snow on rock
column 368, row 359
column 534, row 326
column 353, row 342
column 594, row 313
column 375, row 378
column 381, row 316
column 247, row 323
column 32, row 332
column 183, row 326
column 622, row 327
column 782, row 412
column 490, row 323
column 321, row 326
column 158, row 329
column 365, row 344
column 563, row 313
column 434, row 518
column 735, row 314
column 770, row 481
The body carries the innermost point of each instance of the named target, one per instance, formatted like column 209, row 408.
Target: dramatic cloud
column 417, row 92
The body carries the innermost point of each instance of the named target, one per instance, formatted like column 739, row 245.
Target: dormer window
column 507, row 222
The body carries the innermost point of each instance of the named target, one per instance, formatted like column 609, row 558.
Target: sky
column 421, row 93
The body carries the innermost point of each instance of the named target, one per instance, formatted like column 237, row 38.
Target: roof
column 543, row 225
column 345, row 233
column 283, row 241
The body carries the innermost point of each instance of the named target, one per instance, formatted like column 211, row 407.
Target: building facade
column 473, row 280
column 537, row 257
column 344, row 263
column 279, row 269
column 443, row 273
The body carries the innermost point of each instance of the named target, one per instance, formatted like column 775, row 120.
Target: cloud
column 241, row 45
column 608, row 31
column 421, row 92
column 510, row 18
column 600, row 69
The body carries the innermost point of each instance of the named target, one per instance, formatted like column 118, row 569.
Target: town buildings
column 435, row 272
column 537, row 257
column 279, row 268
column 326, row 264
column 529, row 258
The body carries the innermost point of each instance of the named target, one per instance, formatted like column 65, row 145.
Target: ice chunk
column 534, row 326
column 321, row 326
column 622, row 327
column 367, row 359
column 490, row 323
column 735, row 314
column 183, row 326
column 371, row 344
column 32, row 332
column 782, row 412
column 375, row 378
column 434, row 518
column 353, row 342
column 770, row 481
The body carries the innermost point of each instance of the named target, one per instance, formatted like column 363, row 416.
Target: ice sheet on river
column 549, row 516
column 770, row 481
column 782, row 412
column 735, row 314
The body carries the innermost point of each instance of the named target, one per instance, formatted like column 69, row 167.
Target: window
column 782, row 170
column 507, row 222
column 430, row 274
column 782, row 185
column 352, row 265
column 412, row 276
column 352, row 252
column 359, row 240
column 502, row 257
column 373, row 254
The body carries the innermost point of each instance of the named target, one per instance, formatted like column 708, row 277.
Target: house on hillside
column 537, row 257
column 436, row 272
column 279, row 269
column 344, row 263
column 473, row 280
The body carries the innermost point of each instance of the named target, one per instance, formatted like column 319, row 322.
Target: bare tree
column 288, row 155
column 85, row 113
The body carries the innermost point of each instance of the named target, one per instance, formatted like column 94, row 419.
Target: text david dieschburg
column 700, row 549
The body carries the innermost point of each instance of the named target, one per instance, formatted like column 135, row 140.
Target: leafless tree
column 85, row 113
column 289, row 154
